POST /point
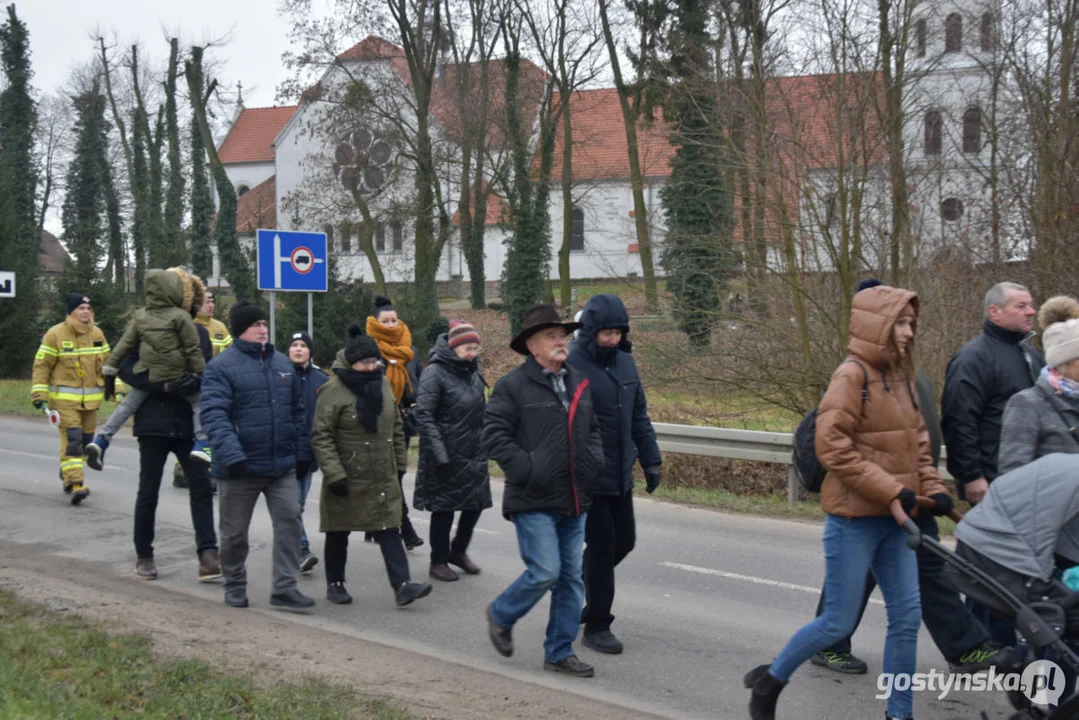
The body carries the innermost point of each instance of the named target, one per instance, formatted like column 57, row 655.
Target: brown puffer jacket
column 872, row 450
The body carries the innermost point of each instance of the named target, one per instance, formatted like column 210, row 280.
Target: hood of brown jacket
column 873, row 315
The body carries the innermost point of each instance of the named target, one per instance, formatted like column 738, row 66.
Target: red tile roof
column 251, row 138
column 257, row 208
column 52, row 254
column 497, row 210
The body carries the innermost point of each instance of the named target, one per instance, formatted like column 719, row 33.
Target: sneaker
column 336, row 593
column 292, row 601
column 571, row 666
column 983, row 657
column 201, row 451
column 307, row 562
column 236, row 597
column 95, row 452
column 840, row 662
column 409, row 592
column 145, row 569
column 442, row 572
column 209, row 566
column 603, row 641
column 79, row 492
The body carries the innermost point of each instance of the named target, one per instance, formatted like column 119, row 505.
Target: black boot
column 766, row 689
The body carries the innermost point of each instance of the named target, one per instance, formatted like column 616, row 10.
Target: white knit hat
column 1061, row 341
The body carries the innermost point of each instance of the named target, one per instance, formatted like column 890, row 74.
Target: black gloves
column 908, row 500
column 189, row 384
column 110, row 387
column 237, row 470
column 944, row 502
column 302, row 468
column 40, row 404
column 339, row 487
column 651, row 479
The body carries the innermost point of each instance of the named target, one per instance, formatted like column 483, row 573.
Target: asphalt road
column 703, row 598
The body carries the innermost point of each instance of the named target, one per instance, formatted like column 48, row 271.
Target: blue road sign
column 292, row 261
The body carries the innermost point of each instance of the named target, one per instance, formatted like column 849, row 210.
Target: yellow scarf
column 395, row 344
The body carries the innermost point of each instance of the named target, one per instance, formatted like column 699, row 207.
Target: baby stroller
column 1007, row 550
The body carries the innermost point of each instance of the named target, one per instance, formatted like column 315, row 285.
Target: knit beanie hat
column 303, row 337
column 73, row 299
column 242, row 316
column 1059, row 319
column 868, row 283
column 360, row 346
column 461, row 333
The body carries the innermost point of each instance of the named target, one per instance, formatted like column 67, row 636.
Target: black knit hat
column 868, row 283
column 302, row 336
column 242, row 316
column 73, row 299
column 360, row 346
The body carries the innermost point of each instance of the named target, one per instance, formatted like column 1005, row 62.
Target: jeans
column 953, row 628
column 153, row 454
column 853, row 547
column 305, row 488
column 550, row 546
column 237, row 498
column 610, row 534
column 441, row 525
column 130, row 405
column 389, row 542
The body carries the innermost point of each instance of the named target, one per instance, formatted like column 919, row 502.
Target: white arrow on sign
column 280, row 260
column 7, row 284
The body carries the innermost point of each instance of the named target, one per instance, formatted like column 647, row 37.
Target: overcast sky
column 61, row 32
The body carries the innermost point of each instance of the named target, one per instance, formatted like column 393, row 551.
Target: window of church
column 932, row 133
column 328, row 229
column 951, row 209
column 953, row 33
column 346, row 238
column 576, row 236
column 398, row 233
column 242, row 190
column 380, row 238
column 987, row 32
column 831, row 211
column 919, row 38
column 972, row 130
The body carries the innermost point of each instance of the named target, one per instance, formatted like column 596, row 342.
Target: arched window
column 972, row 130
column 380, row 238
column 932, row 133
column 576, row 236
column 346, row 238
column 398, row 236
column 831, row 211
column 919, row 38
column 951, row 209
column 953, row 33
column 987, row 32
column 242, row 190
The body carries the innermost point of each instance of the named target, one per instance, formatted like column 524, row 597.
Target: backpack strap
column 865, row 378
column 1072, row 429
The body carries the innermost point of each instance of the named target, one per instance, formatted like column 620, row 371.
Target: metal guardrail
column 768, row 447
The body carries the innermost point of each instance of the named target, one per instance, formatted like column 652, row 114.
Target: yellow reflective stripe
column 46, row 350
column 35, row 388
column 72, row 389
column 77, row 398
column 71, row 464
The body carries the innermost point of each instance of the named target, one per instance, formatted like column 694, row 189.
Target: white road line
column 750, row 578
column 57, row 459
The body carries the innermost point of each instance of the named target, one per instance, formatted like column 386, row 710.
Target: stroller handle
column 902, row 519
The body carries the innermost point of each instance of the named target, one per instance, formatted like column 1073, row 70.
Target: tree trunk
column 367, row 244
column 175, row 250
column 565, row 291
column 893, row 78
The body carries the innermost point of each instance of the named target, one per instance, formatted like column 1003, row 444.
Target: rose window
column 363, row 161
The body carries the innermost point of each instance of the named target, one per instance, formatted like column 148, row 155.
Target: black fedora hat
column 539, row 318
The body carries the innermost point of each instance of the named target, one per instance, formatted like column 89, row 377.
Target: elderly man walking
column 253, row 411
column 540, row 428
column 602, row 353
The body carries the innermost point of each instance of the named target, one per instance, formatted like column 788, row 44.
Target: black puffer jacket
column 980, row 380
column 621, row 409
column 450, row 401
column 552, row 457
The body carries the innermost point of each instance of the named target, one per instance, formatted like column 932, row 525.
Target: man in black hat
column 540, row 429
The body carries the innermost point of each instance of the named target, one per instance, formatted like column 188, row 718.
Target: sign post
column 7, row 284
column 291, row 262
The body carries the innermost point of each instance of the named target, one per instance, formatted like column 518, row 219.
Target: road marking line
column 750, row 578
column 26, row 454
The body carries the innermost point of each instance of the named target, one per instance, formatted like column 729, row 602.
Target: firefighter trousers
column 76, row 432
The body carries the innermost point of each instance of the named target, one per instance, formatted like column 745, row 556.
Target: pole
column 310, row 315
column 273, row 317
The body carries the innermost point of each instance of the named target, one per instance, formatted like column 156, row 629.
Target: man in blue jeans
column 311, row 377
column 540, row 428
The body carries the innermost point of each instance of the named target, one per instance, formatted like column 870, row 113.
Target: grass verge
column 59, row 665
column 15, row 400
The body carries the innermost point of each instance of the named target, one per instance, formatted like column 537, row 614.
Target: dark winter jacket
column 552, row 457
column 369, row 462
column 618, row 397
column 253, row 411
column 1034, row 425
column 161, row 414
column 980, row 380
column 311, row 379
column 450, row 401
column 408, row 400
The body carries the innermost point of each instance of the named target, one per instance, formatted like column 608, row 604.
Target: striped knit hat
column 460, row 333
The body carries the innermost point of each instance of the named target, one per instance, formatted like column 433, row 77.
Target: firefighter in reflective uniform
column 219, row 339
column 68, row 379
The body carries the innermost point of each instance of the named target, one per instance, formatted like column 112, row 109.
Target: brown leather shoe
column 464, row 562
column 145, row 569
column 501, row 637
column 209, row 566
column 442, row 572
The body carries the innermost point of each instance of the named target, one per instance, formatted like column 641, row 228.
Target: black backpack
column 810, row 472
